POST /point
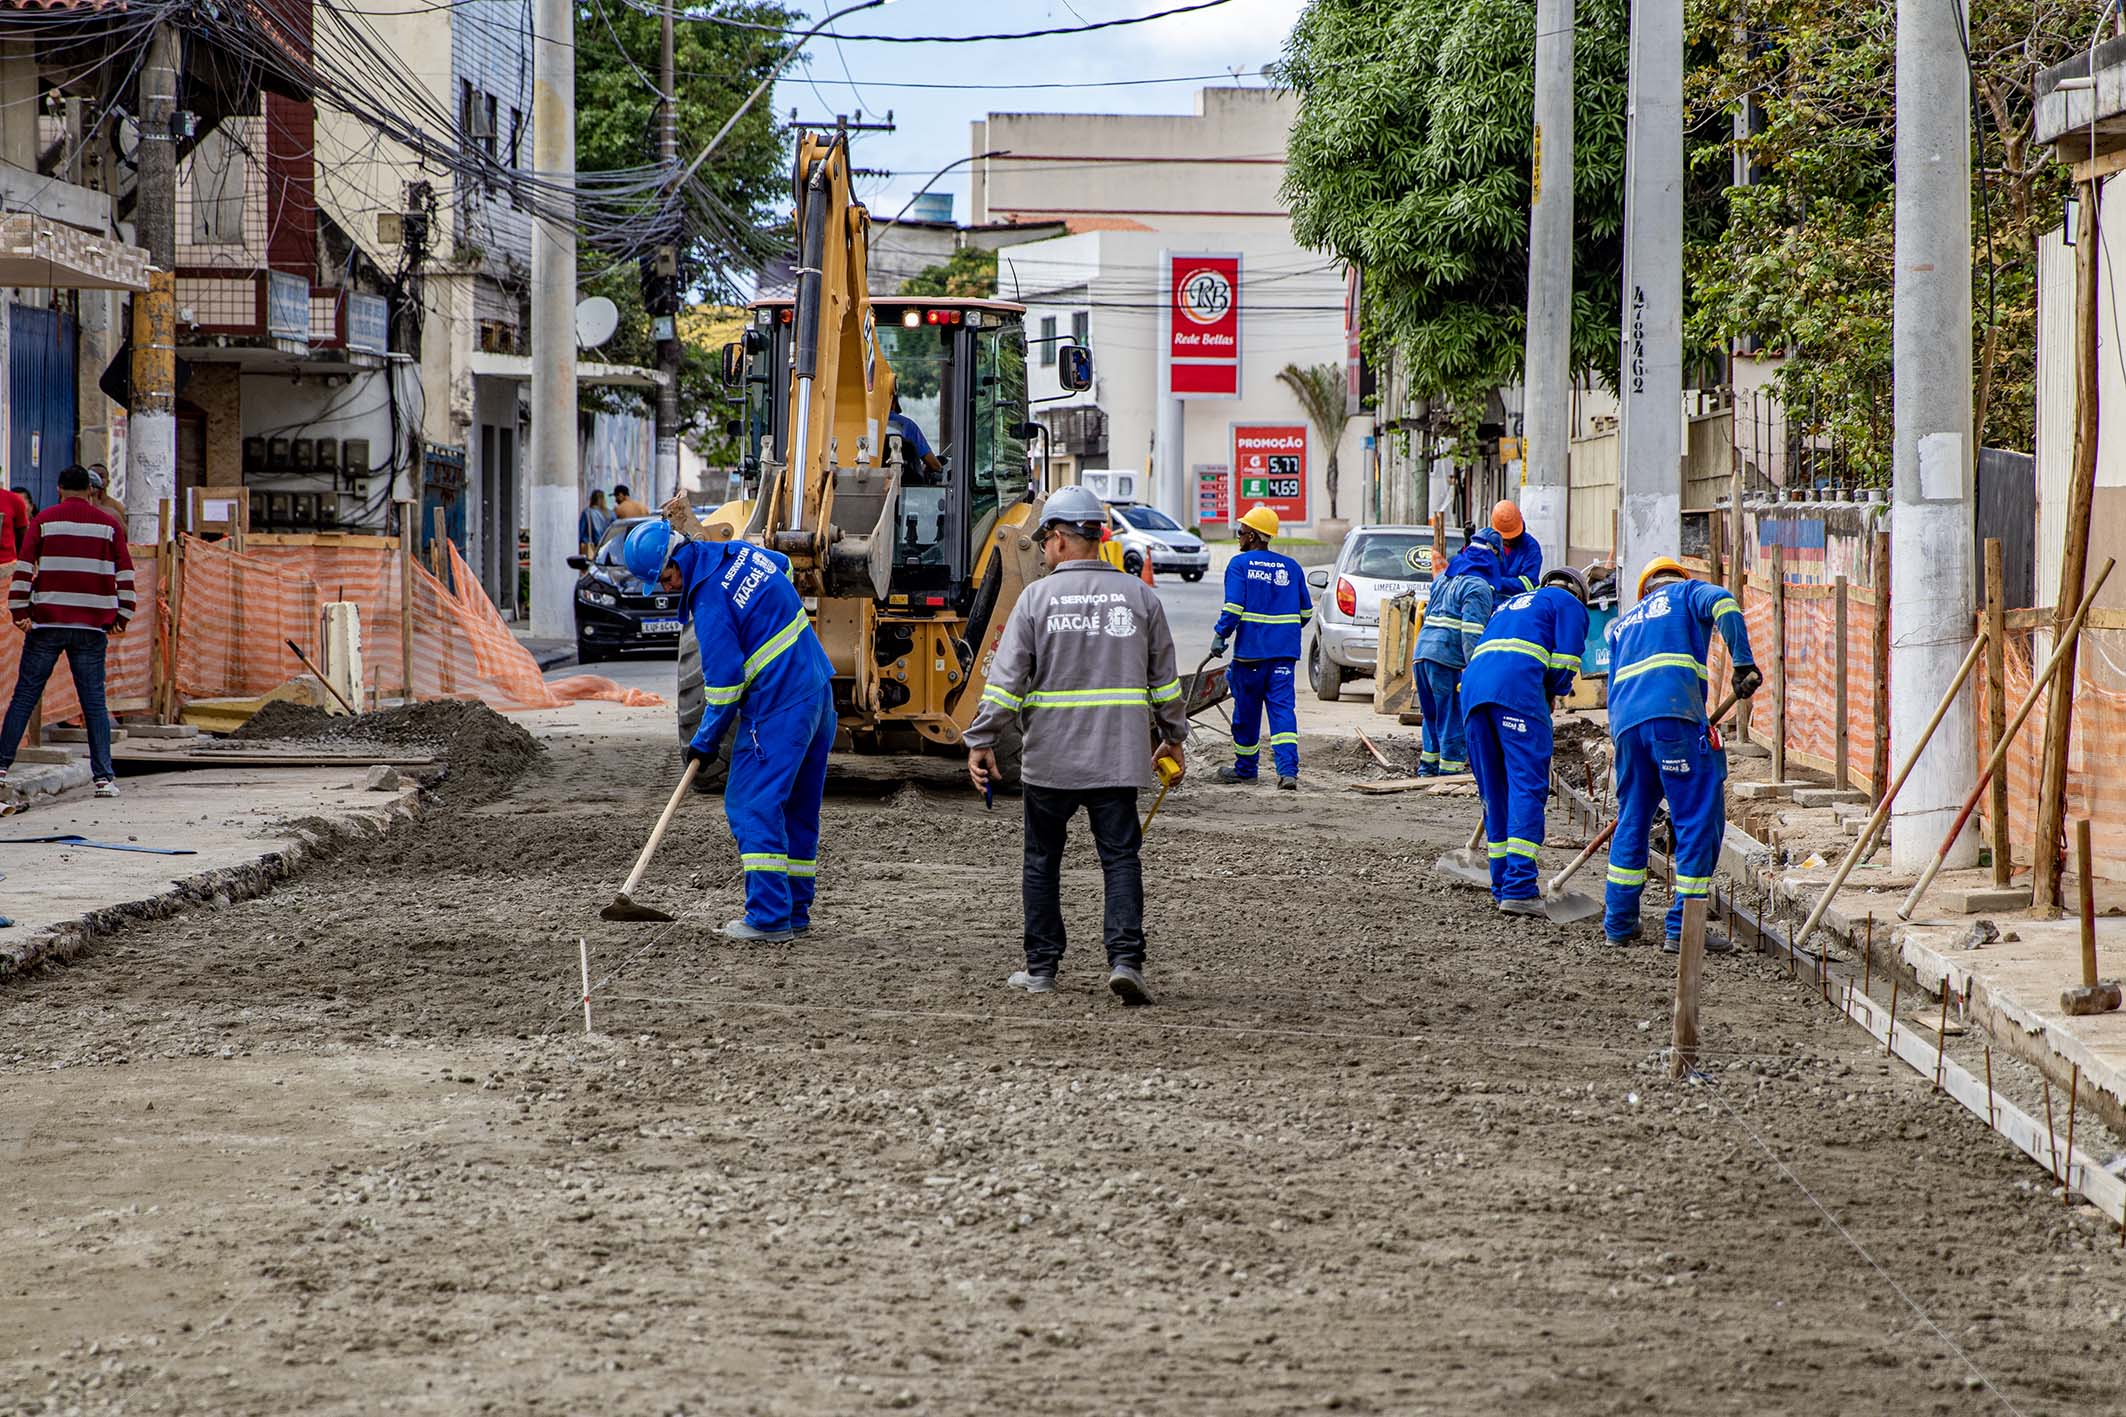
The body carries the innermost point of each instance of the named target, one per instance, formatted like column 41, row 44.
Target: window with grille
column 1048, row 341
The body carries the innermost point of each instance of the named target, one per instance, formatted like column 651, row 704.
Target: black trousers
column 1113, row 813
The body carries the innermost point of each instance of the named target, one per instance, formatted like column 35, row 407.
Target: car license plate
column 663, row 627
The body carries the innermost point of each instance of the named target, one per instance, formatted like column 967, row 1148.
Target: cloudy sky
column 932, row 122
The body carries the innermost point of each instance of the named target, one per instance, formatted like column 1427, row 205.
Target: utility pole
column 1933, row 575
column 1546, row 376
column 664, row 312
column 151, row 431
column 1650, row 422
column 556, row 485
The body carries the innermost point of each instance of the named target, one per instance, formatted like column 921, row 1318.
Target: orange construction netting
column 2096, row 750
column 235, row 611
column 1811, row 667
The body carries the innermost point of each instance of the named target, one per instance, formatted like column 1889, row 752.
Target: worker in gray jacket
column 1086, row 667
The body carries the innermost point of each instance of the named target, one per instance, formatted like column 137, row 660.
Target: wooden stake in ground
column 1997, row 705
column 2094, row 996
column 408, row 531
column 1778, row 684
column 1737, row 574
column 2062, row 656
column 1690, row 977
column 2074, row 560
column 1841, row 734
column 1879, row 767
column 583, row 954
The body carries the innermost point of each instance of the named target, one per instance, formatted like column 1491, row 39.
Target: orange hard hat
column 1506, row 519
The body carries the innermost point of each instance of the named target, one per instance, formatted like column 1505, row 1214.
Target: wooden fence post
column 1690, row 977
column 409, row 523
column 1841, row 767
column 2074, row 562
column 1779, row 676
column 1738, row 579
column 1997, row 708
column 1879, row 769
column 435, row 544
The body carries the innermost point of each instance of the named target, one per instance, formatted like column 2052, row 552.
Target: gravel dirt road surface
column 346, row 1149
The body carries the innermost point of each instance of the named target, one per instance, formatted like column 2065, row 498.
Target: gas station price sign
column 1270, row 466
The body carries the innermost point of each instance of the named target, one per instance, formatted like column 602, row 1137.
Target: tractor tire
column 692, row 704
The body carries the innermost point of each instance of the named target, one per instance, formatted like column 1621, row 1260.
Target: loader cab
column 958, row 435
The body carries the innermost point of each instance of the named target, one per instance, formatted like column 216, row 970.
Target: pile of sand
column 483, row 751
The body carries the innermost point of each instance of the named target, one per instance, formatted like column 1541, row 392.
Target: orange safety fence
column 127, row 672
column 1811, row 669
column 2096, row 750
column 235, row 611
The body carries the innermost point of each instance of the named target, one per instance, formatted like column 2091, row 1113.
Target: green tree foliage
column 1412, row 158
column 1805, row 261
column 970, row 272
column 617, row 116
column 1322, row 390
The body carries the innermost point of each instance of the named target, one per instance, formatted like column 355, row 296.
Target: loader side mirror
column 734, row 364
column 1074, row 367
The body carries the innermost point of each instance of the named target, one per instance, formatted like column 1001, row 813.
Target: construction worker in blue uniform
column 1528, row 656
column 762, row 670
column 1664, row 745
column 1456, row 612
column 1520, row 554
column 1266, row 603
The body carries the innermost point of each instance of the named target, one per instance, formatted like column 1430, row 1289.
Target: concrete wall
column 1217, row 169
column 216, row 390
column 2056, row 400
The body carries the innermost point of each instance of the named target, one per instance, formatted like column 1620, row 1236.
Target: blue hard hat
column 1487, row 537
column 646, row 549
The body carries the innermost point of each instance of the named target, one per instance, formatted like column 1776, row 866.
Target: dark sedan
column 617, row 614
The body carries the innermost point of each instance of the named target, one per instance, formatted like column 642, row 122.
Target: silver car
column 1144, row 530
column 1376, row 564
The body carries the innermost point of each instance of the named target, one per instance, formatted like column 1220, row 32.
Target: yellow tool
column 1168, row 770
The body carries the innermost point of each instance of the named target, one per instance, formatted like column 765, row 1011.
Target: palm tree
column 1320, row 391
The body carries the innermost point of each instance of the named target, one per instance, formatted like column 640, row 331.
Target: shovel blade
column 1465, row 866
column 625, row 907
column 1570, row 907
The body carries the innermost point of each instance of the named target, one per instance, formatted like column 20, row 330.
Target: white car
column 1376, row 564
column 1143, row 531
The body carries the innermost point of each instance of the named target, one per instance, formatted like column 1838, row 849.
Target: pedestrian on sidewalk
column 1520, row 554
column 1528, row 657
column 1085, row 671
column 592, row 523
column 764, row 677
column 1266, row 603
column 1457, row 609
column 625, row 506
column 1664, row 746
column 72, row 589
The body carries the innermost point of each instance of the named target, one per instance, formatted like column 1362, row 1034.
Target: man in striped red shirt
column 72, row 587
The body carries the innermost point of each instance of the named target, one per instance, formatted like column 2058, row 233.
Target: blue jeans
column 41, row 649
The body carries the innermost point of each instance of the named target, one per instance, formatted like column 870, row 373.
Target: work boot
column 1032, row 983
column 1127, row 982
column 1716, row 942
column 1229, row 773
column 1428, row 769
column 106, row 788
column 1635, row 936
column 1288, row 784
column 1524, row 905
column 739, row 929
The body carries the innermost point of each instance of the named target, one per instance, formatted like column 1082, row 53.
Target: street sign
column 1203, row 325
column 1270, row 460
column 1213, row 494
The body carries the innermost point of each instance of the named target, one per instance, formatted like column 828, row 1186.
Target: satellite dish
column 596, row 320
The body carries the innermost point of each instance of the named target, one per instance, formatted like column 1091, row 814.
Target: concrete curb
column 316, row 837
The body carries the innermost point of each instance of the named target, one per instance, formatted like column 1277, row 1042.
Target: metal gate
column 42, row 400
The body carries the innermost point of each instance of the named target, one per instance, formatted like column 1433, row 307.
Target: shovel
column 624, row 906
column 1465, row 864
column 1566, row 907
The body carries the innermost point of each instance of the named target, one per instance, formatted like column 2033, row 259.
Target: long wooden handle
column 1869, row 832
column 2060, row 653
column 671, row 810
column 1557, row 882
column 304, row 660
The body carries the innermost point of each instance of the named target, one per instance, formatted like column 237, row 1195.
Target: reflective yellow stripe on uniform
column 803, row 868
column 1527, row 647
column 765, row 861
column 767, row 654
column 1002, row 698
column 1658, row 661
column 1088, row 698
column 1725, row 605
column 1253, row 619
column 1498, row 850
column 1276, row 738
column 1521, row 846
column 1166, row 693
column 714, row 694
column 1693, row 885
column 1627, row 876
column 1565, row 661
column 1246, row 750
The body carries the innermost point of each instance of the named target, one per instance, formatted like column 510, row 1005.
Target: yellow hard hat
column 1661, row 565
column 1260, row 519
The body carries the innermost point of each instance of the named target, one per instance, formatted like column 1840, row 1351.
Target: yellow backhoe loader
column 886, row 450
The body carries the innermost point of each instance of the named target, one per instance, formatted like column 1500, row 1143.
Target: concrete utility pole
column 556, row 485
column 1169, row 491
column 1546, row 408
column 1650, row 423
column 151, row 432
column 1933, row 575
column 666, row 312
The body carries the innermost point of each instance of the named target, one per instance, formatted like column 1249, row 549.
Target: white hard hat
column 1076, row 506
